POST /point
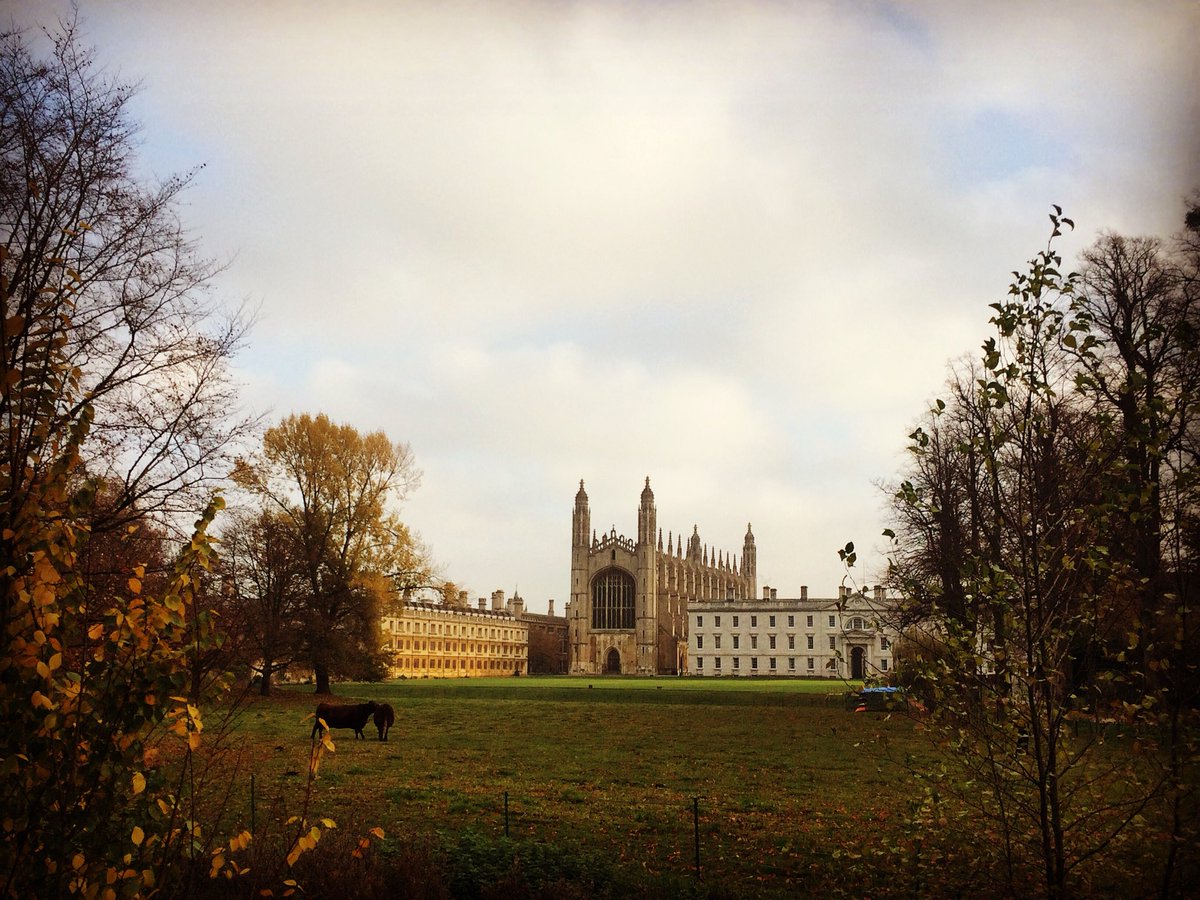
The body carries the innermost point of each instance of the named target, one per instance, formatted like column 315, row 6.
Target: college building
column 629, row 596
column 842, row 637
column 455, row 640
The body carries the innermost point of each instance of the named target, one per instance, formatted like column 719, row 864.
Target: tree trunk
column 321, row 674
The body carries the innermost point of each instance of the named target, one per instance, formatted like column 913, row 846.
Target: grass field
column 604, row 787
column 611, row 771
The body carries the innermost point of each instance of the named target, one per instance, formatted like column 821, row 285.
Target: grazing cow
column 354, row 715
column 385, row 718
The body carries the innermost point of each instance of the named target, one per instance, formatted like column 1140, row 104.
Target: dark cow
column 352, row 715
column 385, row 718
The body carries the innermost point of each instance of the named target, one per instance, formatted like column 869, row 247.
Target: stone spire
column 581, row 518
column 749, row 556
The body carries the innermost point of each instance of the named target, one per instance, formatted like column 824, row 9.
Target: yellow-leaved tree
column 336, row 490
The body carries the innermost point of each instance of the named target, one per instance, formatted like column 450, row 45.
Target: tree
column 98, row 260
column 333, row 487
column 263, row 588
column 1028, row 544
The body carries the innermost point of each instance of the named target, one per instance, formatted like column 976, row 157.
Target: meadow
column 605, row 787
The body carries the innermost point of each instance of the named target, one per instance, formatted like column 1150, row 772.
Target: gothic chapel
column 628, row 611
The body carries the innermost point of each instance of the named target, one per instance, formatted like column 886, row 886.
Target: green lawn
column 611, row 768
column 601, row 779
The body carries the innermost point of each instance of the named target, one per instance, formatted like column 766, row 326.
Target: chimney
column 462, row 598
column 483, row 604
column 497, row 601
column 766, row 592
column 804, row 592
column 518, row 606
column 879, row 592
column 550, row 607
column 843, row 592
column 774, row 594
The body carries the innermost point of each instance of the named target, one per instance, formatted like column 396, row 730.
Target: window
column 810, row 642
column 832, row 622
column 884, row 643
column 792, row 663
column 754, row 663
column 772, row 639
column 717, row 641
column 717, row 620
column 883, row 664
column 699, row 642
column 699, row 662
column 857, row 624
column 810, row 621
column 832, row 642
column 772, row 664
column 612, row 600
column 754, row 642
column 810, row 664
column 735, row 621
column 754, row 621
column 736, row 662
column 791, row 642
column 772, row 622
column 735, row 642
column 791, row 621
column 700, row 621
column 717, row 662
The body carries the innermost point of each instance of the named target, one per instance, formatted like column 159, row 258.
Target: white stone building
column 842, row 637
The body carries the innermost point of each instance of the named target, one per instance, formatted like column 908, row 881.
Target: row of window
column 884, row 643
column 772, row 663
column 856, row 624
column 408, row 626
column 509, row 648
column 479, row 665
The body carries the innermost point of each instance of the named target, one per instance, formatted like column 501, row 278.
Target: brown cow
column 385, row 718
column 345, row 715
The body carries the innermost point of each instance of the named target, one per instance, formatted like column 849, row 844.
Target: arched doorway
column 858, row 664
column 612, row 662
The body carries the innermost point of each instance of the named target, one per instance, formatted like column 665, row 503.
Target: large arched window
column 612, row 599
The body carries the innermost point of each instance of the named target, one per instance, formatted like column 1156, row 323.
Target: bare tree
column 97, row 265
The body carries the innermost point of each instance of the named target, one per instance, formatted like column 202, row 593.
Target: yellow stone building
column 433, row 640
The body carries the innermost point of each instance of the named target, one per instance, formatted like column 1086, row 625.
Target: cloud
column 728, row 246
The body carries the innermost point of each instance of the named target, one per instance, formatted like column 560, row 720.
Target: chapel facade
column 629, row 597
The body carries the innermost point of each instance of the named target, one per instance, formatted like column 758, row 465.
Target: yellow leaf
column 135, row 586
column 55, row 661
column 377, row 831
column 43, row 670
column 194, row 740
column 78, row 861
column 138, row 836
column 139, row 783
column 329, row 823
column 96, row 631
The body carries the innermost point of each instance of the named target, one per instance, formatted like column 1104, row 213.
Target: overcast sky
column 728, row 246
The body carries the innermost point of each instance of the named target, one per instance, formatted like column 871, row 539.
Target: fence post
column 253, row 829
column 506, row 813
column 696, row 830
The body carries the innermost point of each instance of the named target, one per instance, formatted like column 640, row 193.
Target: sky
column 731, row 247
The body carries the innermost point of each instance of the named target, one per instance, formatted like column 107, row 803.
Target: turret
column 749, row 556
column 581, row 519
column 647, row 516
